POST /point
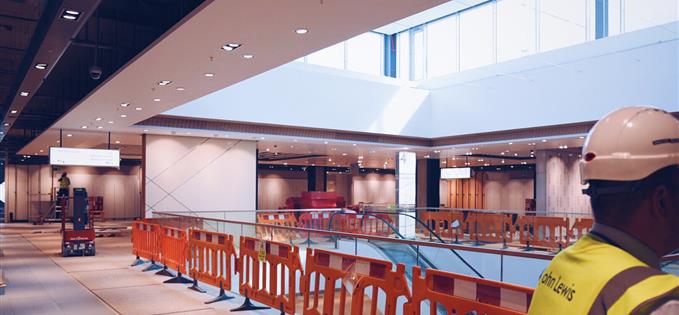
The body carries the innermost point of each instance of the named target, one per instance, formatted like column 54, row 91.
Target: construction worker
column 631, row 162
column 64, row 184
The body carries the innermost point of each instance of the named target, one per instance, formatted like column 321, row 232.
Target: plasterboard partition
column 374, row 188
column 276, row 186
column 195, row 174
column 29, row 187
column 507, row 190
column 558, row 187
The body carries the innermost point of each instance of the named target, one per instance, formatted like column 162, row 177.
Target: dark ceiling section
column 119, row 28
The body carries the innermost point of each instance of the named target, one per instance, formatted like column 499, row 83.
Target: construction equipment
column 79, row 240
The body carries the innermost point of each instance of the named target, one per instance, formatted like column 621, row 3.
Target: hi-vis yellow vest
column 592, row 277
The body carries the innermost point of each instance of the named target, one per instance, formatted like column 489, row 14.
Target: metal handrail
column 505, row 252
column 427, row 261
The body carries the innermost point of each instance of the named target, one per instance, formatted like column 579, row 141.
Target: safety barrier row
column 536, row 231
column 269, row 273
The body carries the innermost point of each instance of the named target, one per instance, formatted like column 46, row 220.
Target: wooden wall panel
column 467, row 193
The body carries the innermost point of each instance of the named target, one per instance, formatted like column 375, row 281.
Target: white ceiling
column 266, row 30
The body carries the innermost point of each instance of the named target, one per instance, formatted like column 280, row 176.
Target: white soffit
column 434, row 13
column 185, row 53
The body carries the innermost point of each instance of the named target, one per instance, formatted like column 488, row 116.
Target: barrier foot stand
column 137, row 261
column 221, row 297
column 194, row 286
column 165, row 272
column 308, row 242
column 282, row 309
column 153, row 267
column 248, row 306
column 178, row 279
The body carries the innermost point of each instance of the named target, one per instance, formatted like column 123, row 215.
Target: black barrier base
column 282, row 309
column 178, row 279
column 153, row 267
column 221, row 297
column 308, row 242
column 165, row 272
column 248, row 306
column 195, row 286
column 137, row 261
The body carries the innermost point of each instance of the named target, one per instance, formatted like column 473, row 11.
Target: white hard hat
column 630, row 144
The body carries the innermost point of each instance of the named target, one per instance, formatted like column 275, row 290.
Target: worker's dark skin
column 656, row 220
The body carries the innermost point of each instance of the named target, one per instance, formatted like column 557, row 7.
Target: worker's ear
column 662, row 203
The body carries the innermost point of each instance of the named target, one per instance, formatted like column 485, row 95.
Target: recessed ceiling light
column 83, row 127
column 146, row 130
column 581, row 137
column 14, row 111
column 99, row 127
column 344, row 154
column 247, row 56
column 6, row 124
column 544, row 140
column 58, row 141
column 230, row 46
column 98, row 119
column 110, row 121
column 42, row 150
column 70, row 15
column 117, row 141
column 164, row 82
column 156, row 100
column 124, row 104
column 510, row 143
column 23, row 93
column 325, row 142
column 123, row 116
column 69, row 135
column 301, row 31
column 138, row 108
column 180, row 89
column 209, row 75
column 41, row 66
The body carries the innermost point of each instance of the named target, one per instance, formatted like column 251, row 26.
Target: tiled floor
column 40, row 281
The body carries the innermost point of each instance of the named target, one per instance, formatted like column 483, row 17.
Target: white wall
column 200, row 174
column 29, row 186
column 374, row 188
column 563, row 187
column 507, row 190
column 574, row 84
column 307, row 95
column 277, row 186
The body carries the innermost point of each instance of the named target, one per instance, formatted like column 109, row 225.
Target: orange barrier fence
column 173, row 246
column 354, row 274
column 146, row 241
column 580, row 228
column 549, row 232
column 268, row 272
column 209, row 256
column 447, row 224
column 280, row 219
column 362, row 224
column 317, row 221
column 490, row 227
column 460, row 294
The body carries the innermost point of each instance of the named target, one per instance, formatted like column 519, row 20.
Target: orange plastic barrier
column 280, row 219
column 443, row 223
column 173, row 248
column 355, row 274
column 146, row 240
column 362, row 224
column 209, row 256
column 490, row 227
column 580, row 228
column 268, row 272
column 549, row 232
column 314, row 220
column 460, row 294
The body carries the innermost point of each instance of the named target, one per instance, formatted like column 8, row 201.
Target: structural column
column 428, row 183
